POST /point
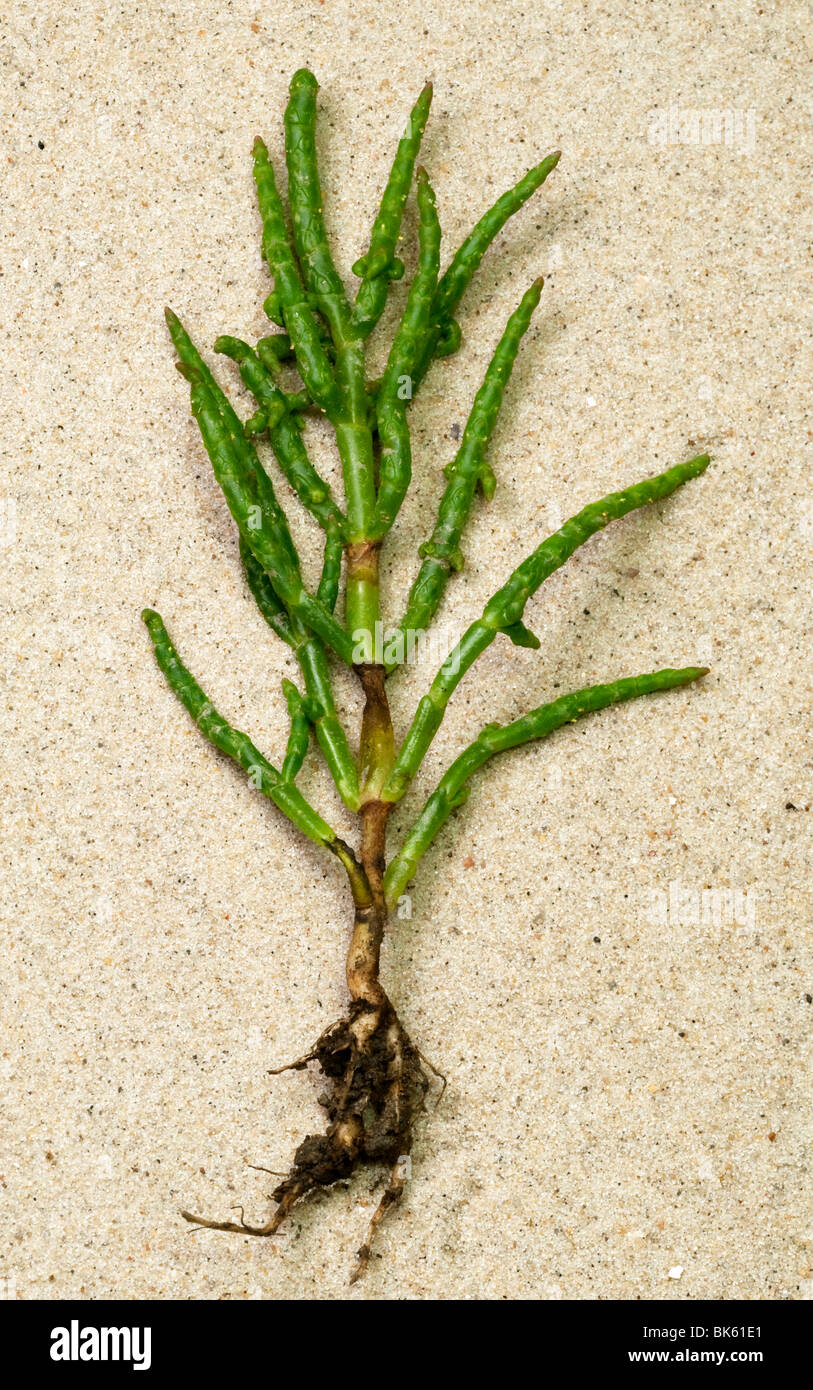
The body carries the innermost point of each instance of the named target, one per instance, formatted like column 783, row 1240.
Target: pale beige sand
column 626, row 1095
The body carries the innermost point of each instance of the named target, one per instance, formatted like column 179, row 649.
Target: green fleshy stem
column 328, row 590
column 442, row 552
column 237, row 745
column 312, row 361
column 453, row 788
column 329, row 732
column 505, row 609
column 228, row 429
column 299, row 735
column 322, row 280
column 252, row 503
column 455, row 280
column 395, row 389
column 269, row 560
column 312, row 660
column 265, row 596
column 355, row 445
column 380, row 265
column 286, row 437
column 341, row 392
column 275, row 350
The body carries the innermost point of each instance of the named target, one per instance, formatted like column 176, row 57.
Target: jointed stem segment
column 285, row 432
column 308, row 343
column 376, row 1076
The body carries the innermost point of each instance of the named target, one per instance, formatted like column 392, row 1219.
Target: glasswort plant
column 377, row 1078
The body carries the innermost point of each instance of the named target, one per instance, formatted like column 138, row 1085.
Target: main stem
column 361, row 595
column 376, row 756
column 364, row 953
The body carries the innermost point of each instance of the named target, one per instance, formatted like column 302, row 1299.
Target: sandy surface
column 626, row 1107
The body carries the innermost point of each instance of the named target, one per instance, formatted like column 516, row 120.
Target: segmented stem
column 264, row 776
column 268, row 602
column 250, row 494
column 299, row 734
column 284, row 431
column 503, row 612
column 327, row 726
column 312, row 660
column 322, row 279
column 289, row 297
column 351, row 420
column 251, row 501
column 380, row 264
column 445, row 335
column 452, row 789
column 328, row 590
column 395, row 388
column 469, row 468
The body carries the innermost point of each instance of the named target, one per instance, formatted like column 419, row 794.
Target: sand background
column 626, row 1087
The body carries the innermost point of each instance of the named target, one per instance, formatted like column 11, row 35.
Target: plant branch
column 328, row 590
column 395, row 388
column 312, row 360
column 445, row 335
column 312, row 660
column 351, row 417
column 267, row 600
column 252, row 502
column 503, row 612
column 362, row 598
column 322, row 279
column 286, row 437
column 250, row 494
column 469, row 468
column 297, row 746
column 328, row 728
column 380, row 264
column 263, row 775
column 452, row 789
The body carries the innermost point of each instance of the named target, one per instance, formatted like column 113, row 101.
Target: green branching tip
column 379, row 264
column 299, row 732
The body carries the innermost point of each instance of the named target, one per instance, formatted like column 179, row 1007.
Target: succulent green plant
column 316, row 362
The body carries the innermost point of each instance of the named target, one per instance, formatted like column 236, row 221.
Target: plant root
column 376, row 1090
column 444, row 1080
column 392, row 1194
